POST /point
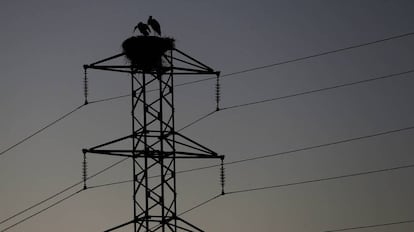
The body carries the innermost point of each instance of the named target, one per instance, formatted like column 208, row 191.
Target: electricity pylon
column 155, row 145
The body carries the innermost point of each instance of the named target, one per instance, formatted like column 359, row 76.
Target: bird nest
column 145, row 52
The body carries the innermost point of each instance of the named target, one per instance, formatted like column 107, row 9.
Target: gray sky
column 43, row 45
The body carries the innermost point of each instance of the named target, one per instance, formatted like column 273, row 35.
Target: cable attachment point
column 218, row 92
column 222, row 176
column 84, row 171
column 85, row 84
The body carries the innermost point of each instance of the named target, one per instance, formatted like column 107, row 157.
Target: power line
column 109, row 99
column 308, row 182
column 306, row 148
column 322, row 179
column 371, row 226
column 109, row 184
column 39, row 203
column 313, row 181
column 63, row 191
column 197, row 120
column 324, row 145
column 393, row 75
column 200, row 204
column 304, row 57
column 56, row 121
column 321, row 54
column 43, row 210
column 41, row 129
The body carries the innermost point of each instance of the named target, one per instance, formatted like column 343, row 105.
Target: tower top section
column 151, row 53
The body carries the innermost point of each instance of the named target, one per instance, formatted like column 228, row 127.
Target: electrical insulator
column 84, row 171
column 217, row 93
column 222, row 177
column 85, row 85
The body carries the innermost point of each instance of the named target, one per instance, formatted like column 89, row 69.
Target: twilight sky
column 43, row 45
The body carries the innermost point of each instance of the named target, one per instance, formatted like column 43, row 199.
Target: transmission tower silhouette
column 154, row 145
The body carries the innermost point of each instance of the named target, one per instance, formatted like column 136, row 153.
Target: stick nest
column 145, row 52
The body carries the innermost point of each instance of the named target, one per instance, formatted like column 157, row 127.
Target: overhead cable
column 43, row 210
column 321, row 179
column 393, row 75
column 63, row 191
column 41, row 129
column 372, row 226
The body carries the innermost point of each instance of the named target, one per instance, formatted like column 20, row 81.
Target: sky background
column 43, row 45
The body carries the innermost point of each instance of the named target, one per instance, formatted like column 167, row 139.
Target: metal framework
column 155, row 143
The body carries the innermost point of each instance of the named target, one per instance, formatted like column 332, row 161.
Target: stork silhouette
column 153, row 23
column 143, row 28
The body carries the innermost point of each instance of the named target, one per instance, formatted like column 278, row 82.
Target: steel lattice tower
column 156, row 145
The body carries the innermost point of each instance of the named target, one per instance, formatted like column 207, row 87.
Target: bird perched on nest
column 143, row 28
column 153, row 23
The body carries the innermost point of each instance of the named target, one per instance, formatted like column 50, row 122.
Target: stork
column 143, row 28
column 153, row 23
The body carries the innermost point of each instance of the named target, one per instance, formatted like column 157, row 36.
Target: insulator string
column 85, row 85
column 218, row 93
column 84, row 171
column 222, row 177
